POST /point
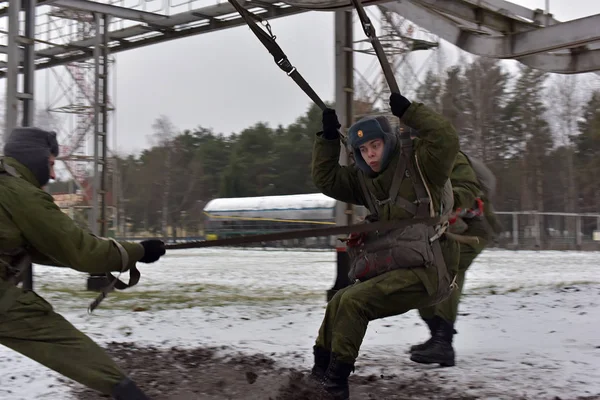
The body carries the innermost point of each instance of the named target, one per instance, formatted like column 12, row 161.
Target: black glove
column 330, row 124
column 399, row 104
column 153, row 249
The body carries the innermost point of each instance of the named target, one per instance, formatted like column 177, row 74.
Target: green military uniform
column 441, row 317
column 466, row 189
column 398, row 291
column 30, row 220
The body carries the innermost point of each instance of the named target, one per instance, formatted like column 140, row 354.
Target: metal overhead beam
column 4, row 11
column 5, row 49
column 567, row 34
column 556, row 37
column 536, row 15
column 331, row 5
column 523, row 46
column 574, row 63
column 471, row 26
column 112, row 10
column 494, row 15
column 497, row 19
column 190, row 23
column 521, row 38
column 502, row 7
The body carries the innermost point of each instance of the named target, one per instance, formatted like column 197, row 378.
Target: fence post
column 538, row 231
column 515, row 218
column 578, row 237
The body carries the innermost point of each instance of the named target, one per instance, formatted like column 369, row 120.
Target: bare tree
column 565, row 102
column 484, row 84
column 164, row 133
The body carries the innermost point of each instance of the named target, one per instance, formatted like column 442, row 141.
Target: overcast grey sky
column 228, row 81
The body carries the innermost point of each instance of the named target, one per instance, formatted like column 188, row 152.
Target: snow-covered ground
column 529, row 322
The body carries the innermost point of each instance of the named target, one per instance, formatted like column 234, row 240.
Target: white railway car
column 229, row 217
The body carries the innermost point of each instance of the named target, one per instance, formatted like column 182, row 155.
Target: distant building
column 66, row 200
column 80, row 198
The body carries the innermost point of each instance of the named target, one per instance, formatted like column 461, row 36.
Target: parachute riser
column 268, row 40
column 370, row 33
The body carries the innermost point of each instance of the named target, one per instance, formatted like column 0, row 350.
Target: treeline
column 539, row 133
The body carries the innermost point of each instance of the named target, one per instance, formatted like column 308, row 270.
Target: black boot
column 128, row 390
column 433, row 324
column 335, row 382
column 440, row 350
column 322, row 358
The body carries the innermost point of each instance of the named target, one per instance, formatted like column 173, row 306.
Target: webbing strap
column 442, row 270
column 405, row 153
column 134, row 277
column 17, row 270
column 268, row 40
column 423, row 199
column 367, row 193
column 370, row 32
column 306, row 233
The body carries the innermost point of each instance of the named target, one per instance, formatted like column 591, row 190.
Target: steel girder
column 113, row 11
column 483, row 32
column 156, row 29
column 494, row 28
column 497, row 29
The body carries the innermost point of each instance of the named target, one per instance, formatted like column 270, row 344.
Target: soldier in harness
column 397, row 178
column 34, row 229
column 473, row 186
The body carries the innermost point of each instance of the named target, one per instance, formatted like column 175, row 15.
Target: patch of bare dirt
column 201, row 373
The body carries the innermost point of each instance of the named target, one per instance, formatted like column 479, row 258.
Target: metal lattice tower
column 83, row 105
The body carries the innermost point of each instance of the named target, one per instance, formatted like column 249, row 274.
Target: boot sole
column 430, row 360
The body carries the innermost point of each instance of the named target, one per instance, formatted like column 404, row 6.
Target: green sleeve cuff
column 135, row 251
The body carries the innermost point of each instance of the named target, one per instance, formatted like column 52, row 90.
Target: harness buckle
column 286, row 66
column 382, row 202
column 423, row 200
column 439, row 231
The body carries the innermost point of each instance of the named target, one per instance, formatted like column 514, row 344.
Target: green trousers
column 29, row 326
column 448, row 309
column 350, row 310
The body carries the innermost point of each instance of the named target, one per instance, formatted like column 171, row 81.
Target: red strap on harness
column 355, row 239
column 477, row 211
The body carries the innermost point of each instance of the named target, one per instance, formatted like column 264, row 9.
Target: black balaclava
column 32, row 147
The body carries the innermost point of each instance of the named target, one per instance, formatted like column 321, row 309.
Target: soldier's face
column 372, row 153
column 51, row 161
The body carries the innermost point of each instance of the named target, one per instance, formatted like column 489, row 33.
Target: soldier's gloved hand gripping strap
column 134, row 277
